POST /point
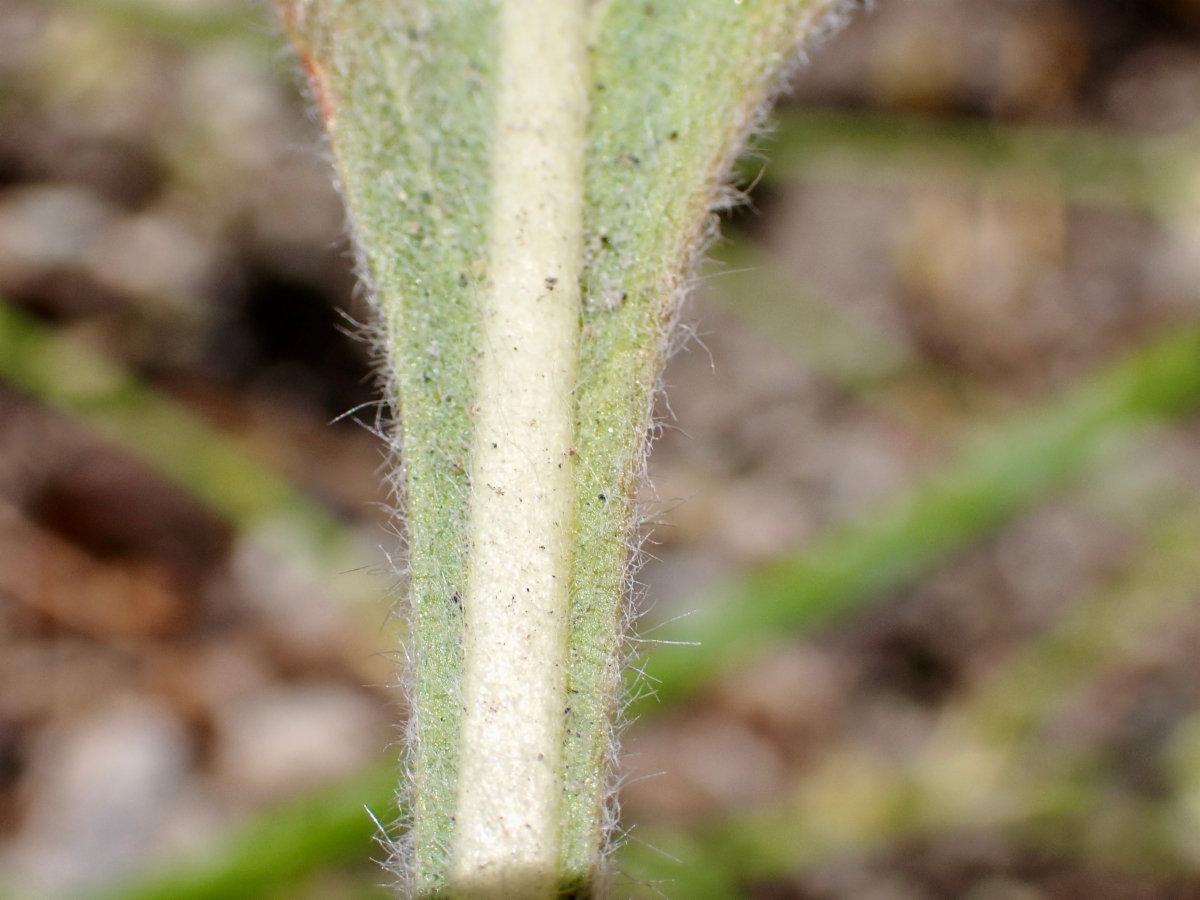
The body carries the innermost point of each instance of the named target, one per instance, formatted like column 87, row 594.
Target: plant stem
column 517, row 606
column 416, row 98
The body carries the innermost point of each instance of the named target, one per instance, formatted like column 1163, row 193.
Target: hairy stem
column 506, row 180
column 517, row 605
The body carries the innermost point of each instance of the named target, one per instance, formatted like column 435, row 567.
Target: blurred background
column 949, row 346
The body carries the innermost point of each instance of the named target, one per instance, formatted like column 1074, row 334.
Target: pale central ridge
column 507, row 839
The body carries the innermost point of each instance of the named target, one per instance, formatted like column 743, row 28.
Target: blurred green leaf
column 69, row 375
column 1013, row 467
column 185, row 24
column 283, row 845
column 1056, row 796
column 1089, row 167
column 1001, row 473
column 749, row 286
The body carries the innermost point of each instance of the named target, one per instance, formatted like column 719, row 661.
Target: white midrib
column 507, row 825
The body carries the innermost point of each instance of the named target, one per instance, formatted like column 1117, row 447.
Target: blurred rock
column 67, row 676
column 42, row 148
column 982, row 278
column 153, row 257
column 295, row 205
column 46, row 228
column 283, row 741
column 99, row 79
column 931, row 56
column 1173, row 267
column 851, row 881
column 98, row 798
column 971, row 864
column 919, row 63
column 836, row 237
column 696, row 769
column 1054, row 556
column 1157, row 90
column 1004, row 889
column 201, row 678
column 19, row 25
column 676, row 583
column 795, row 695
column 680, row 504
column 279, row 582
column 747, row 415
column 118, row 507
column 761, row 521
column 239, row 103
column 998, row 284
column 77, row 592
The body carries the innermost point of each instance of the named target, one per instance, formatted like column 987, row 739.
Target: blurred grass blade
column 993, row 480
column 72, row 377
column 282, row 846
column 1052, row 797
column 184, row 24
column 1091, row 167
column 850, row 350
column 1014, row 467
column 297, row 838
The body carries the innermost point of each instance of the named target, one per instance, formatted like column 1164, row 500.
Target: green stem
column 413, row 95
